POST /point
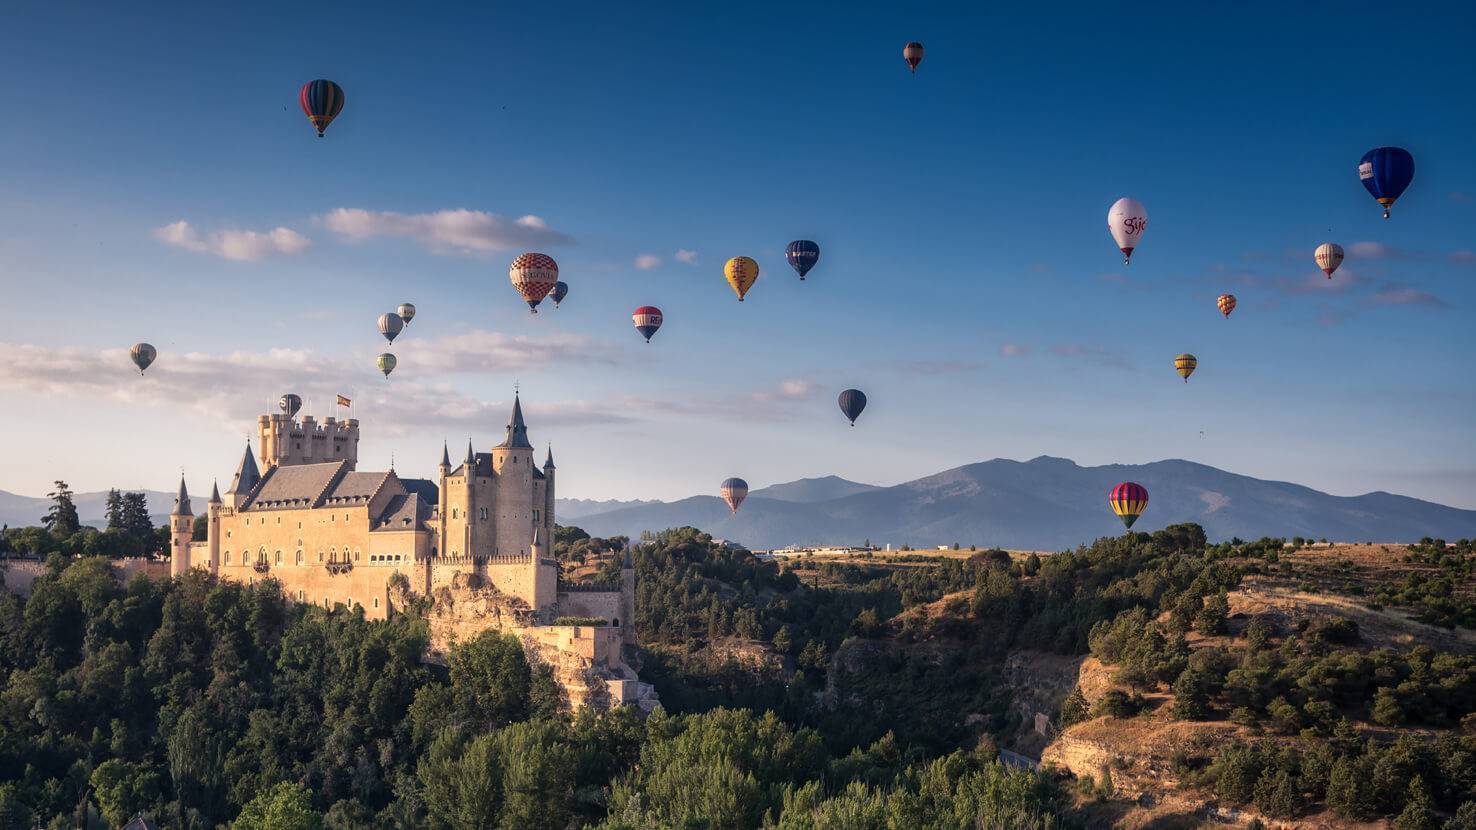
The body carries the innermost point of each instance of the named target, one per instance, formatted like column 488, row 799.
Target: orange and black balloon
column 1129, row 500
column 322, row 101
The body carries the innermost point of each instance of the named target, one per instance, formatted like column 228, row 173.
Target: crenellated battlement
column 285, row 441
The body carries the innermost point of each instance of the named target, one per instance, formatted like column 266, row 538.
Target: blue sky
column 967, row 282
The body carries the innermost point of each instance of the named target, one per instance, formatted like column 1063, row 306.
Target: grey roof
column 247, row 475
column 445, row 455
column 182, row 501
column 548, row 462
column 355, row 488
column 404, row 512
column 428, row 490
column 469, row 454
column 517, row 431
column 481, row 465
column 296, row 485
column 215, row 492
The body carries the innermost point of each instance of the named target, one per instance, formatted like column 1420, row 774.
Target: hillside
column 1045, row 503
column 22, row 511
column 809, row 490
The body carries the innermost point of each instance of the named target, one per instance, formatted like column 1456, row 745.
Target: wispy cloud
column 1463, row 257
column 238, row 245
column 458, row 231
column 487, row 351
column 1460, row 196
column 1404, row 295
column 685, row 256
column 1372, row 250
column 1099, row 355
column 1014, row 350
column 646, row 262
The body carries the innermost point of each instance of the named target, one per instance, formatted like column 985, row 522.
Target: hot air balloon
column 802, row 255
column 1386, row 172
column 559, row 292
column 647, row 320
column 390, row 325
column 1127, row 219
column 1329, row 255
column 406, row 312
column 742, row 272
column 322, row 101
column 1226, row 304
column 1128, row 501
column 142, row 355
column 852, row 402
column 1184, row 364
column 734, row 491
column 386, row 363
column 289, row 404
column 533, row 275
column 912, row 53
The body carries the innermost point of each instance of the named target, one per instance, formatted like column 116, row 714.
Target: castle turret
column 212, row 536
column 287, row 441
column 512, row 464
column 245, row 479
column 548, row 494
column 181, row 530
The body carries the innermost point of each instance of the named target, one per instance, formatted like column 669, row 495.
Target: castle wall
column 514, row 502
column 606, row 604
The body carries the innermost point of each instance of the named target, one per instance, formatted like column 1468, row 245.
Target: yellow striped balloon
column 1128, row 499
column 1185, row 364
column 742, row 272
column 1226, row 304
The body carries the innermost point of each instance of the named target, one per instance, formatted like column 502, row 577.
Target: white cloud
column 1404, row 295
column 685, row 256
column 646, row 262
column 486, row 351
column 242, row 246
column 1014, row 350
column 1093, row 353
column 1463, row 257
column 1372, row 250
column 457, row 231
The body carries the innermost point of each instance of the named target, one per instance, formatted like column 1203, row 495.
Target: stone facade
column 478, row 540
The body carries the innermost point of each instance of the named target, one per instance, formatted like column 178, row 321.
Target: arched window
column 376, row 602
column 333, row 554
column 228, row 557
column 279, row 557
column 261, row 554
column 299, row 556
column 356, row 554
column 320, row 554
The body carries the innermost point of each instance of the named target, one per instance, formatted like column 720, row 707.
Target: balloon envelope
column 142, row 355
column 913, row 54
column 647, row 320
column 1129, row 500
column 852, row 402
column 386, row 363
column 1127, row 219
column 289, row 404
column 406, row 312
column 390, row 325
column 742, row 272
column 734, row 491
column 1329, row 255
column 559, row 292
column 1385, row 173
column 802, row 255
column 1184, row 364
column 322, row 101
column 1226, row 304
column 533, row 275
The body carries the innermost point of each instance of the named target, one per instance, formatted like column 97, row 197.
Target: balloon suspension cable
column 1386, row 213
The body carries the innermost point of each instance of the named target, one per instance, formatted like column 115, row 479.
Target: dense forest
column 809, row 695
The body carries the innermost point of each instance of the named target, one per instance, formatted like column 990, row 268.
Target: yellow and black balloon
column 1128, row 499
column 1184, row 364
column 742, row 272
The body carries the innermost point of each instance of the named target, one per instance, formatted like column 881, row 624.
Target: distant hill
column 22, row 511
column 808, row 490
column 574, row 508
column 1045, row 504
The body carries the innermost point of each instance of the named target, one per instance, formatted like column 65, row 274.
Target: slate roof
column 428, row 490
column 517, row 431
column 247, row 475
column 295, row 485
column 404, row 512
column 355, row 488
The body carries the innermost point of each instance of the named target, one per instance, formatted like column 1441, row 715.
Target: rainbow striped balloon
column 1128, row 499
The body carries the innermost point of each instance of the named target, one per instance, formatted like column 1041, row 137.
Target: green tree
column 123, row 789
column 1419, row 809
column 1350, row 791
column 461, row 784
column 136, row 517
column 538, row 768
column 1191, row 696
column 1276, row 794
column 1386, row 708
column 61, row 520
column 1074, row 709
column 114, row 510
column 1464, row 818
column 490, row 680
column 286, row 806
column 1211, row 618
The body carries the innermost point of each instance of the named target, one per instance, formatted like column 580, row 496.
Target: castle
column 478, row 542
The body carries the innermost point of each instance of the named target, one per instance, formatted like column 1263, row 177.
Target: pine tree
column 1386, row 708
column 114, row 511
column 136, row 516
column 1276, row 794
column 1418, row 812
column 1191, row 700
column 1074, row 709
column 61, row 520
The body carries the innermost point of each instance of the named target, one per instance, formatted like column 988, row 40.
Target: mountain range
column 22, row 511
column 1042, row 504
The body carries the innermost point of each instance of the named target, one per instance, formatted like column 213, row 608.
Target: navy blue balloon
column 852, row 401
column 561, row 290
column 1386, row 172
column 802, row 255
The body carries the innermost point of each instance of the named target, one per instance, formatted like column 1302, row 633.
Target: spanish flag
column 342, row 401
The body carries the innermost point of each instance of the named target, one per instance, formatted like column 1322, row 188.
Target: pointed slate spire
column 517, row 431
column 445, row 455
column 182, row 501
column 471, row 457
column 215, row 492
column 246, row 475
column 548, row 463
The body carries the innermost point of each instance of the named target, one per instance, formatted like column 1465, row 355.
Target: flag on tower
column 342, row 401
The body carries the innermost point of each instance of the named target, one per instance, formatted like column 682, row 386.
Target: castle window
column 535, row 517
column 376, row 602
column 484, row 514
column 453, row 513
column 301, row 595
column 279, row 557
column 228, row 534
column 228, row 557
column 299, row 525
column 320, row 555
column 279, row 520
column 299, row 557
column 356, row 554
